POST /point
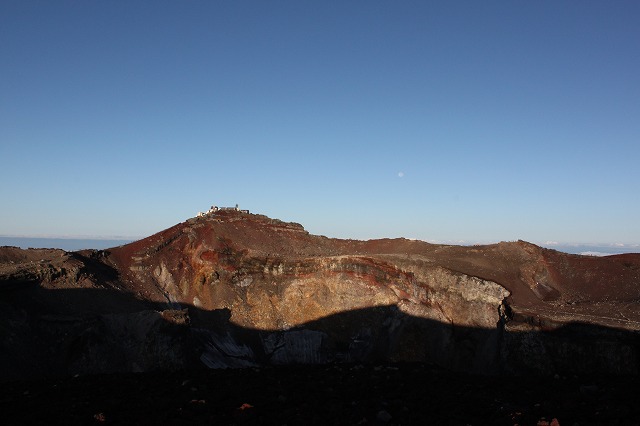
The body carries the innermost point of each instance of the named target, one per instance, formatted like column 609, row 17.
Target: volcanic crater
column 235, row 289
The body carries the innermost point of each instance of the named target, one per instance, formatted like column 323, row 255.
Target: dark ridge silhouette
column 240, row 318
column 55, row 333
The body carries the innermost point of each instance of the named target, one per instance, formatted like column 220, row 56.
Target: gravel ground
column 337, row 394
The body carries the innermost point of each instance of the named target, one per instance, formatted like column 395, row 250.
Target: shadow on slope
column 49, row 333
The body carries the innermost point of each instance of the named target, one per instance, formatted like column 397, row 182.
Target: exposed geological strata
column 236, row 289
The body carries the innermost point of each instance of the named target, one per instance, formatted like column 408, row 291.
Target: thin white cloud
column 594, row 253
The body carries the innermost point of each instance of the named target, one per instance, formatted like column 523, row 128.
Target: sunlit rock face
column 308, row 299
column 283, row 281
column 233, row 289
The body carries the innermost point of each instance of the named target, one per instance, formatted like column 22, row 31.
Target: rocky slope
column 233, row 289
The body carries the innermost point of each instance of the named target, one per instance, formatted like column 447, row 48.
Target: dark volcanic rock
column 341, row 394
column 233, row 289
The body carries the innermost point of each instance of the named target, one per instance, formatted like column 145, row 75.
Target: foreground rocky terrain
column 339, row 394
column 233, row 289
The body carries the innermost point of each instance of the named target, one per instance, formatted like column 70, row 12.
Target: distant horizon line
column 431, row 241
column 74, row 237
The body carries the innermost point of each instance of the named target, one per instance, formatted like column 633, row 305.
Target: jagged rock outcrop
column 232, row 289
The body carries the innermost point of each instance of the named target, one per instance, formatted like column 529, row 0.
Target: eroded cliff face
column 275, row 285
column 305, row 307
column 233, row 289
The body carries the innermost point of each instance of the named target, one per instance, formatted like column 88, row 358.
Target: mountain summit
column 231, row 288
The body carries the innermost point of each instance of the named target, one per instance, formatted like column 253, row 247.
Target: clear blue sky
column 449, row 120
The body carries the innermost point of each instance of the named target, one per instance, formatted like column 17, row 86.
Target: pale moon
column 400, row 174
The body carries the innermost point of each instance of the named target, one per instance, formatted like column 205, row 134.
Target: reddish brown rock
column 237, row 289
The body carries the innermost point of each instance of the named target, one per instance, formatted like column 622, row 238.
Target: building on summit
column 215, row 209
